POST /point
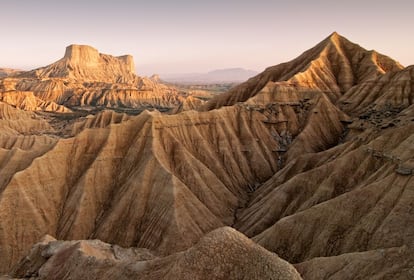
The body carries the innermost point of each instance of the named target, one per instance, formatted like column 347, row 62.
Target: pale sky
column 183, row 36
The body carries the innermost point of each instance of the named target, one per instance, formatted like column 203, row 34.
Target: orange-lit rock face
column 82, row 55
column 86, row 63
column 333, row 66
column 86, row 77
column 311, row 159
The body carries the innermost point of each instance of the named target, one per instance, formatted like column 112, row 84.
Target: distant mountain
column 228, row 75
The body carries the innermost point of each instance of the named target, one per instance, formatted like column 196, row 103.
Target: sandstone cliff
column 85, row 63
column 86, row 77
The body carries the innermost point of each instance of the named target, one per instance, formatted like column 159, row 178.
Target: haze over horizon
column 168, row 37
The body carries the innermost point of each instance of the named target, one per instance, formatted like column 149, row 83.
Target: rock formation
column 26, row 100
column 86, row 77
column 85, row 63
column 221, row 254
column 333, row 67
column 311, row 159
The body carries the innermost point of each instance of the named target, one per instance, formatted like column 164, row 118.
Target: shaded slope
column 392, row 263
column 99, row 176
column 15, row 121
column 372, row 202
column 393, row 91
column 152, row 181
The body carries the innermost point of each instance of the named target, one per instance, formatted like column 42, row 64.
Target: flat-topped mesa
column 83, row 76
column 89, row 56
column 82, row 54
column 85, row 63
column 128, row 60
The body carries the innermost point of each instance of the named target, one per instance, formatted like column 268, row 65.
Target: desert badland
column 304, row 171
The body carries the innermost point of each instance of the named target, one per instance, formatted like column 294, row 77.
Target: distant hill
column 228, row 75
column 4, row 72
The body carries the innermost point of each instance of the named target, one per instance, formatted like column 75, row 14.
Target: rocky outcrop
column 221, row 254
column 100, row 120
column 190, row 103
column 85, row 77
column 156, row 78
column 27, row 101
column 85, row 63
